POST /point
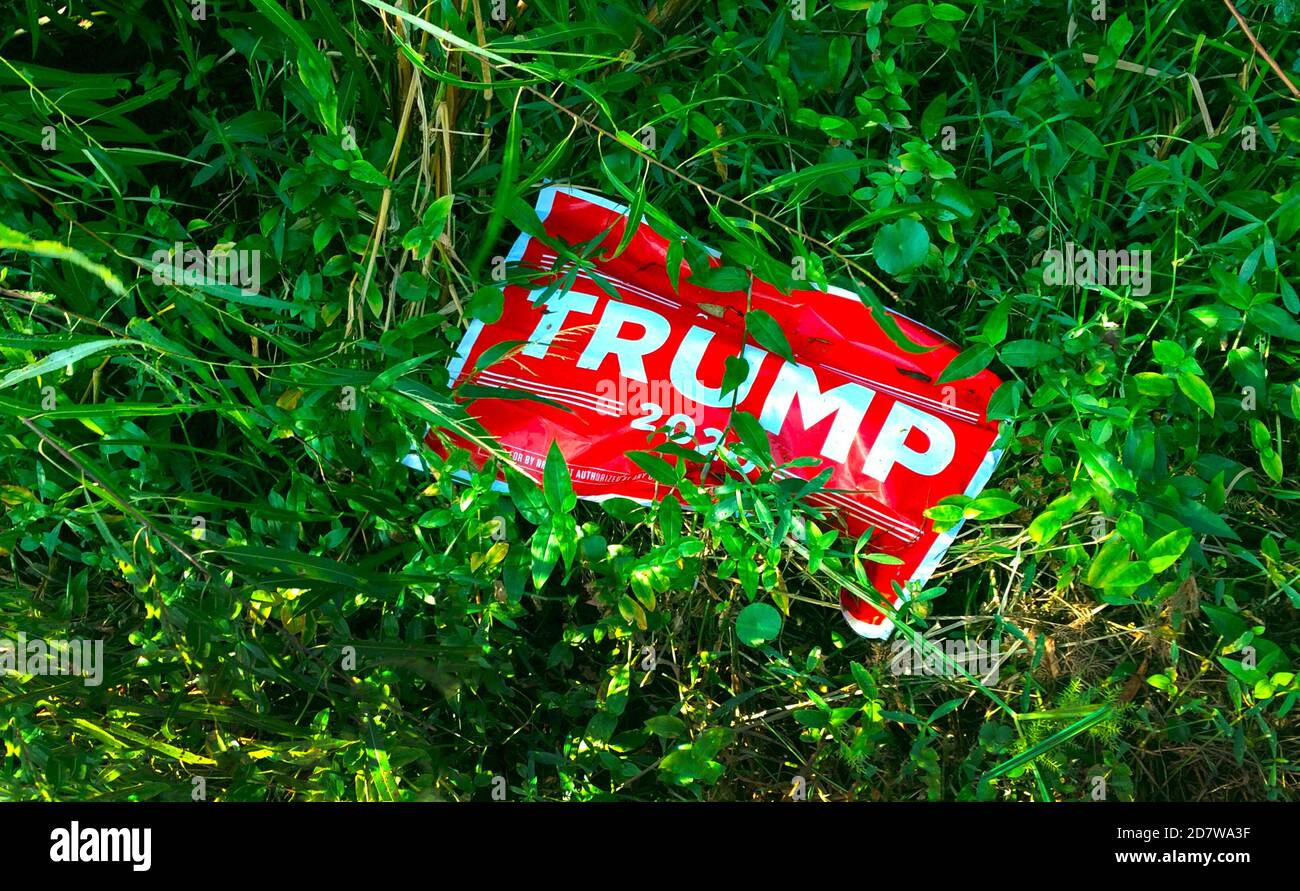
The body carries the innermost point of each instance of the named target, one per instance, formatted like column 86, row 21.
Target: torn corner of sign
column 624, row 352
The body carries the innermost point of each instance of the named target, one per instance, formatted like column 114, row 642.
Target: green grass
column 209, row 480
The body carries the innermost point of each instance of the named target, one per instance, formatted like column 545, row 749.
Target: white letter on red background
column 848, row 402
column 685, row 371
column 557, row 310
column 889, row 449
column 631, row 352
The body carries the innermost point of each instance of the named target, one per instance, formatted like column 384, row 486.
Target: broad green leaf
column 758, row 623
column 486, row 304
column 768, row 334
column 910, row 16
column 659, row 470
column 752, row 435
column 900, row 247
column 1165, row 551
column 1105, row 468
column 1027, row 353
column 968, row 363
column 556, row 483
column 1195, row 389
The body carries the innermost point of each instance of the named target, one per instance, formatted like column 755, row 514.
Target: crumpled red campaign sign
column 620, row 369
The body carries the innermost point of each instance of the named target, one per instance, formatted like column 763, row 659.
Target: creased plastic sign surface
column 623, row 368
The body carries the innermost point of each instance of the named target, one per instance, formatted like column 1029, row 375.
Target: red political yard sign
column 620, row 369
